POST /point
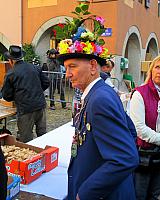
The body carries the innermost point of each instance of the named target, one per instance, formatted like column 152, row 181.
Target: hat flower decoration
column 75, row 38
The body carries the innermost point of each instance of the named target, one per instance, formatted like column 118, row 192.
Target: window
column 147, row 3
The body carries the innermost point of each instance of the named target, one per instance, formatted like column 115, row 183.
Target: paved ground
column 31, row 196
column 55, row 118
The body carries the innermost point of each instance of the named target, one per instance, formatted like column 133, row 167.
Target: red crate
column 31, row 169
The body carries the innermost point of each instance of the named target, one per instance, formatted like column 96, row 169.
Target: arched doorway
column 2, row 50
column 4, row 44
column 132, row 49
column 133, row 53
column 43, row 39
column 151, row 47
column 151, row 51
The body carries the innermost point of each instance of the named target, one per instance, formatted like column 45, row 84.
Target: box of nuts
column 27, row 161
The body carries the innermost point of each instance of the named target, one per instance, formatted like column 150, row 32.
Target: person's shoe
column 52, row 108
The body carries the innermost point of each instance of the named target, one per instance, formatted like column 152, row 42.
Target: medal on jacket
column 88, row 126
column 74, row 150
column 74, row 146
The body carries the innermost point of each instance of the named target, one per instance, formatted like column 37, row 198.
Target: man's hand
column 77, row 197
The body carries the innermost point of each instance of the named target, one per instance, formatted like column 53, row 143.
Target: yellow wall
column 41, row 3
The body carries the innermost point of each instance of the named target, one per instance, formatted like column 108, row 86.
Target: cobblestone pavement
column 55, row 118
column 31, row 196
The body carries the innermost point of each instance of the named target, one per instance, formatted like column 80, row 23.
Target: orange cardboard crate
column 30, row 169
column 7, row 104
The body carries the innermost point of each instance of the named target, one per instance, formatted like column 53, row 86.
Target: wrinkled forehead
column 75, row 61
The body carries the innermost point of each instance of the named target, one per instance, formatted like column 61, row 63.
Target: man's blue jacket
column 107, row 157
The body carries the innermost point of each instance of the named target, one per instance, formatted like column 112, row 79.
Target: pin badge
column 84, row 136
column 88, row 126
column 80, row 140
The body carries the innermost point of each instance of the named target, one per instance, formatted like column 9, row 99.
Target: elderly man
column 103, row 152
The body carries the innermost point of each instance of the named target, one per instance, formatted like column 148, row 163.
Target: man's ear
column 94, row 66
column 11, row 62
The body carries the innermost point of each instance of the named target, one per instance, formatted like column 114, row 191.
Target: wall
column 146, row 20
column 35, row 17
column 10, row 21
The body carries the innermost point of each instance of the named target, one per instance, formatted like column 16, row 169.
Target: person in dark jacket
column 55, row 77
column 3, row 177
column 25, row 84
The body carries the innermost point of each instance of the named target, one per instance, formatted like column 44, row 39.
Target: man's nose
column 68, row 73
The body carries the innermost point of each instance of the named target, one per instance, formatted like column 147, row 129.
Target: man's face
column 156, row 73
column 106, row 68
column 81, row 72
column 52, row 56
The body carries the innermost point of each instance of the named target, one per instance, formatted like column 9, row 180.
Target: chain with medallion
column 80, row 134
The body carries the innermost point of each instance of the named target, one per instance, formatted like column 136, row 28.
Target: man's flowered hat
column 76, row 41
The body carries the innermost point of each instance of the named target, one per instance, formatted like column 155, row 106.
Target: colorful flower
column 88, row 35
column 78, row 46
column 54, row 32
column 101, row 20
column 61, row 25
column 104, row 53
column 88, row 49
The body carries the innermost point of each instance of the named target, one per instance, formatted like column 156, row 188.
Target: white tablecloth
column 54, row 183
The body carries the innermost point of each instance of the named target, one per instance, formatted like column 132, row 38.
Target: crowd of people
column 113, row 156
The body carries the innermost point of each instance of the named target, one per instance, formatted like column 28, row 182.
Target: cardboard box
column 7, row 104
column 31, row 169
column 4, row 67
column 13, row 188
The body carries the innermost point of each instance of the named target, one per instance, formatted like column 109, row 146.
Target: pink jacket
column 150, row 98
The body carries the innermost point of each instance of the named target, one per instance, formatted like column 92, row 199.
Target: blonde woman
column 144, row 111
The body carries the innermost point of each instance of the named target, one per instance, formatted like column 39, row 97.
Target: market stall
column 54, row 183
column 5, row 112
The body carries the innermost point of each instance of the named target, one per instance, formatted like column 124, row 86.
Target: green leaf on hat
column 101, row 42
column 84, row 7
column 74, row 13
column 78, row 9
column 86, row 13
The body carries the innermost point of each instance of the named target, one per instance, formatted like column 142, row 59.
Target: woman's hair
column 149, row 73
column 112, row 63
column 109, row 63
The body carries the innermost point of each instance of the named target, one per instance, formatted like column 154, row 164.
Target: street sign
column 107, row 33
